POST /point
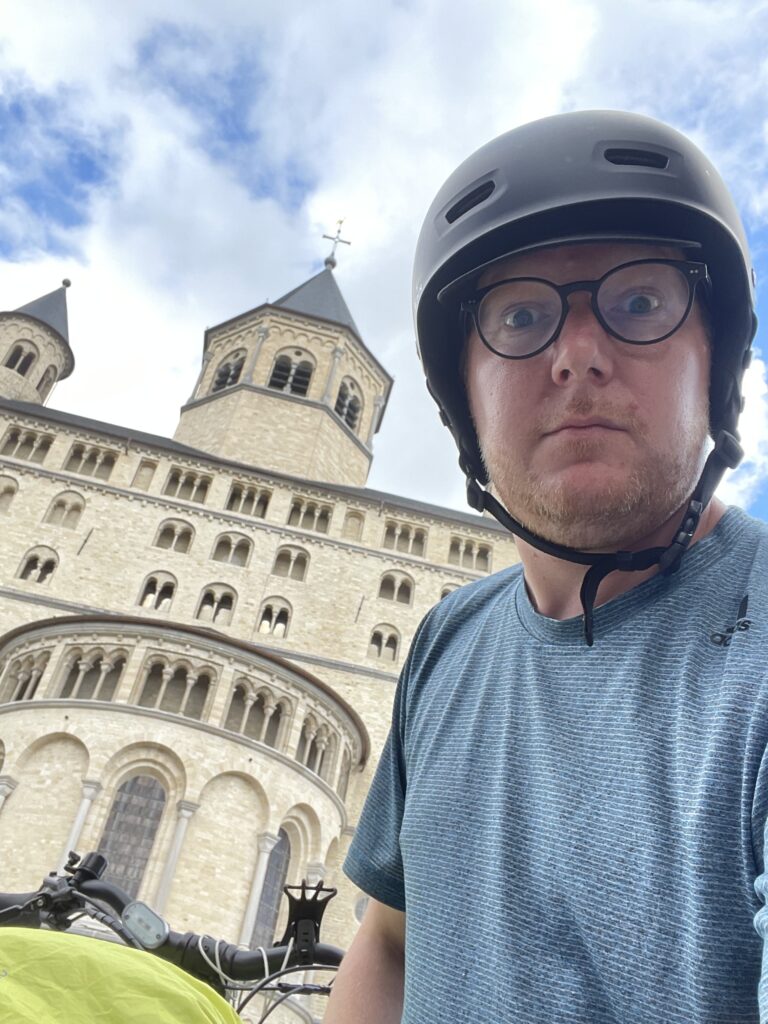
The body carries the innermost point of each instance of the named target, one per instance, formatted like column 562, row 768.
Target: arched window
column 46, row 382
column 26, row 444
column 291, row 562
column 272, row 892
column 292, row 372
column 256, row 716
column 448, row 589
column 130, row 831
column 274, row 617
column 157, row 591
column 353, row 526
column 232, row 548
column 89, row 460
column 187, row 485
column 228, row 371
column 248, row 501
column 22, row 357
column 174, row 535
column 384, row 644
column 8, row 489
column 38, row 565
column 22, row 677
column 469, row 554
column 396, row 586
column 349, row 402
column 309, row 515
column 65, row 510
column 93, row 676
column 317, row 747
column 217, row 603
column 404, row 537
column 176, row 688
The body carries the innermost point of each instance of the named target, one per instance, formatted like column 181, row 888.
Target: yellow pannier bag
column 51, row 977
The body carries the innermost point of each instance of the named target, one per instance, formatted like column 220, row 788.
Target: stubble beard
column 612, row 514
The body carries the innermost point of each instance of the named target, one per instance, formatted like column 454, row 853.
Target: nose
column 583, row 350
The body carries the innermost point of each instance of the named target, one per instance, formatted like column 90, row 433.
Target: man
column 567, row 821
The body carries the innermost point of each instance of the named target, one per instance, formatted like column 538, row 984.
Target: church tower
column 34, row 347
column 290, row 386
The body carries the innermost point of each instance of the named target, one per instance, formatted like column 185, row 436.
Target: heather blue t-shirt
column 575, row 833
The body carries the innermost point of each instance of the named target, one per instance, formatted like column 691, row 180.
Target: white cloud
column 373, row 105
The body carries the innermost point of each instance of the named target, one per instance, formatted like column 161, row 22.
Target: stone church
column 200, row 636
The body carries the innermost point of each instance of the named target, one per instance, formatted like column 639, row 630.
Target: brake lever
column 35, row 906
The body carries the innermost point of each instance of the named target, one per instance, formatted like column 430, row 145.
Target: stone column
column 267, row 843
column 127, row 680
column 248, row 702
column 185, row 810
column 90, row 792
column 106, row 668
column 315, row 872
column 261, row 336
column 338, row 352
column 378, row 404
column 191, row 680
column 7, row 786
column 167, row 675
column 22, row 679
column 269, row 710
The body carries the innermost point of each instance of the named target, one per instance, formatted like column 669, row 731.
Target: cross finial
column 330, row 261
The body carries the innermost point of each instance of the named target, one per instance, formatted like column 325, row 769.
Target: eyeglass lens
column 638, row 302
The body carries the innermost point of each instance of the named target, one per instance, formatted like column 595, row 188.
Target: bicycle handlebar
column 209, row 959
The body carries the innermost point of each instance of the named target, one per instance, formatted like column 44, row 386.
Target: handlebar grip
column 16, row 899
column 107, row 892
column 9, row 900
column 183, row 950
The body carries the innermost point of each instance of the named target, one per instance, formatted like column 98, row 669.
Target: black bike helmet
column 584, row 176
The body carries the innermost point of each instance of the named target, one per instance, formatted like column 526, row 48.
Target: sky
column 179, row 161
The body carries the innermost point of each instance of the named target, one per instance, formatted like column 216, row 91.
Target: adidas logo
column 741, row 626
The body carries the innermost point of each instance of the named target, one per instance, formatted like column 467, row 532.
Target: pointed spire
column 51, row 309
column 320, row 296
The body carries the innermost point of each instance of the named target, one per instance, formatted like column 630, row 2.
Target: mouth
column 594, row 424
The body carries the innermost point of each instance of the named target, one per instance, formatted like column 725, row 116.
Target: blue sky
column 179, row 162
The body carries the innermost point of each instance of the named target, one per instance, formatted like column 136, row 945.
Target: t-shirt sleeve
column 374, row 861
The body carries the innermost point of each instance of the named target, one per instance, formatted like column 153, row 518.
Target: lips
column 585, row 425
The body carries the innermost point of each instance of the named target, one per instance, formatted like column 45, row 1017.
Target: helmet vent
column 470, row 200
column 637, row 158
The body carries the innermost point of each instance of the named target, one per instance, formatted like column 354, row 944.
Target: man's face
column 592, row 443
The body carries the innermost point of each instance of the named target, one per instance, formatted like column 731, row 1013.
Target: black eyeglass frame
column 695, row 273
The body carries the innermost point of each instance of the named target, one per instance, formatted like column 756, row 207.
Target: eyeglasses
column 641, row 303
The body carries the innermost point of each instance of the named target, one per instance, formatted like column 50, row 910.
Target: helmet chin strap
column 726, row 454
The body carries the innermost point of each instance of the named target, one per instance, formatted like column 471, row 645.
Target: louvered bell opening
column 469, row 201
column 637, row 158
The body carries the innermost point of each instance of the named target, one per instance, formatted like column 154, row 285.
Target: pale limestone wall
column 49, row 352
column 267, row 428
column 103, row 561
column 302, row 436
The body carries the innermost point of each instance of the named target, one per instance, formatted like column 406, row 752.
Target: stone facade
column 223, row 632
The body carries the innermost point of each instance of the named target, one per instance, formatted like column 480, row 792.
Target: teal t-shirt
column 575, row 833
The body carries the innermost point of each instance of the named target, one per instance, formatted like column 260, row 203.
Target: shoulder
column 463, row 615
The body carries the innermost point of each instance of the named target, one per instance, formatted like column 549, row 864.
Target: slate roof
column 51, row 309
column 320, row 296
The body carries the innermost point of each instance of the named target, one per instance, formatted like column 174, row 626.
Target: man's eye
column 640, row 303
column 521, row 318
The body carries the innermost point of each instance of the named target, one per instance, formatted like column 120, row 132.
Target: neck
column 553, row 584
